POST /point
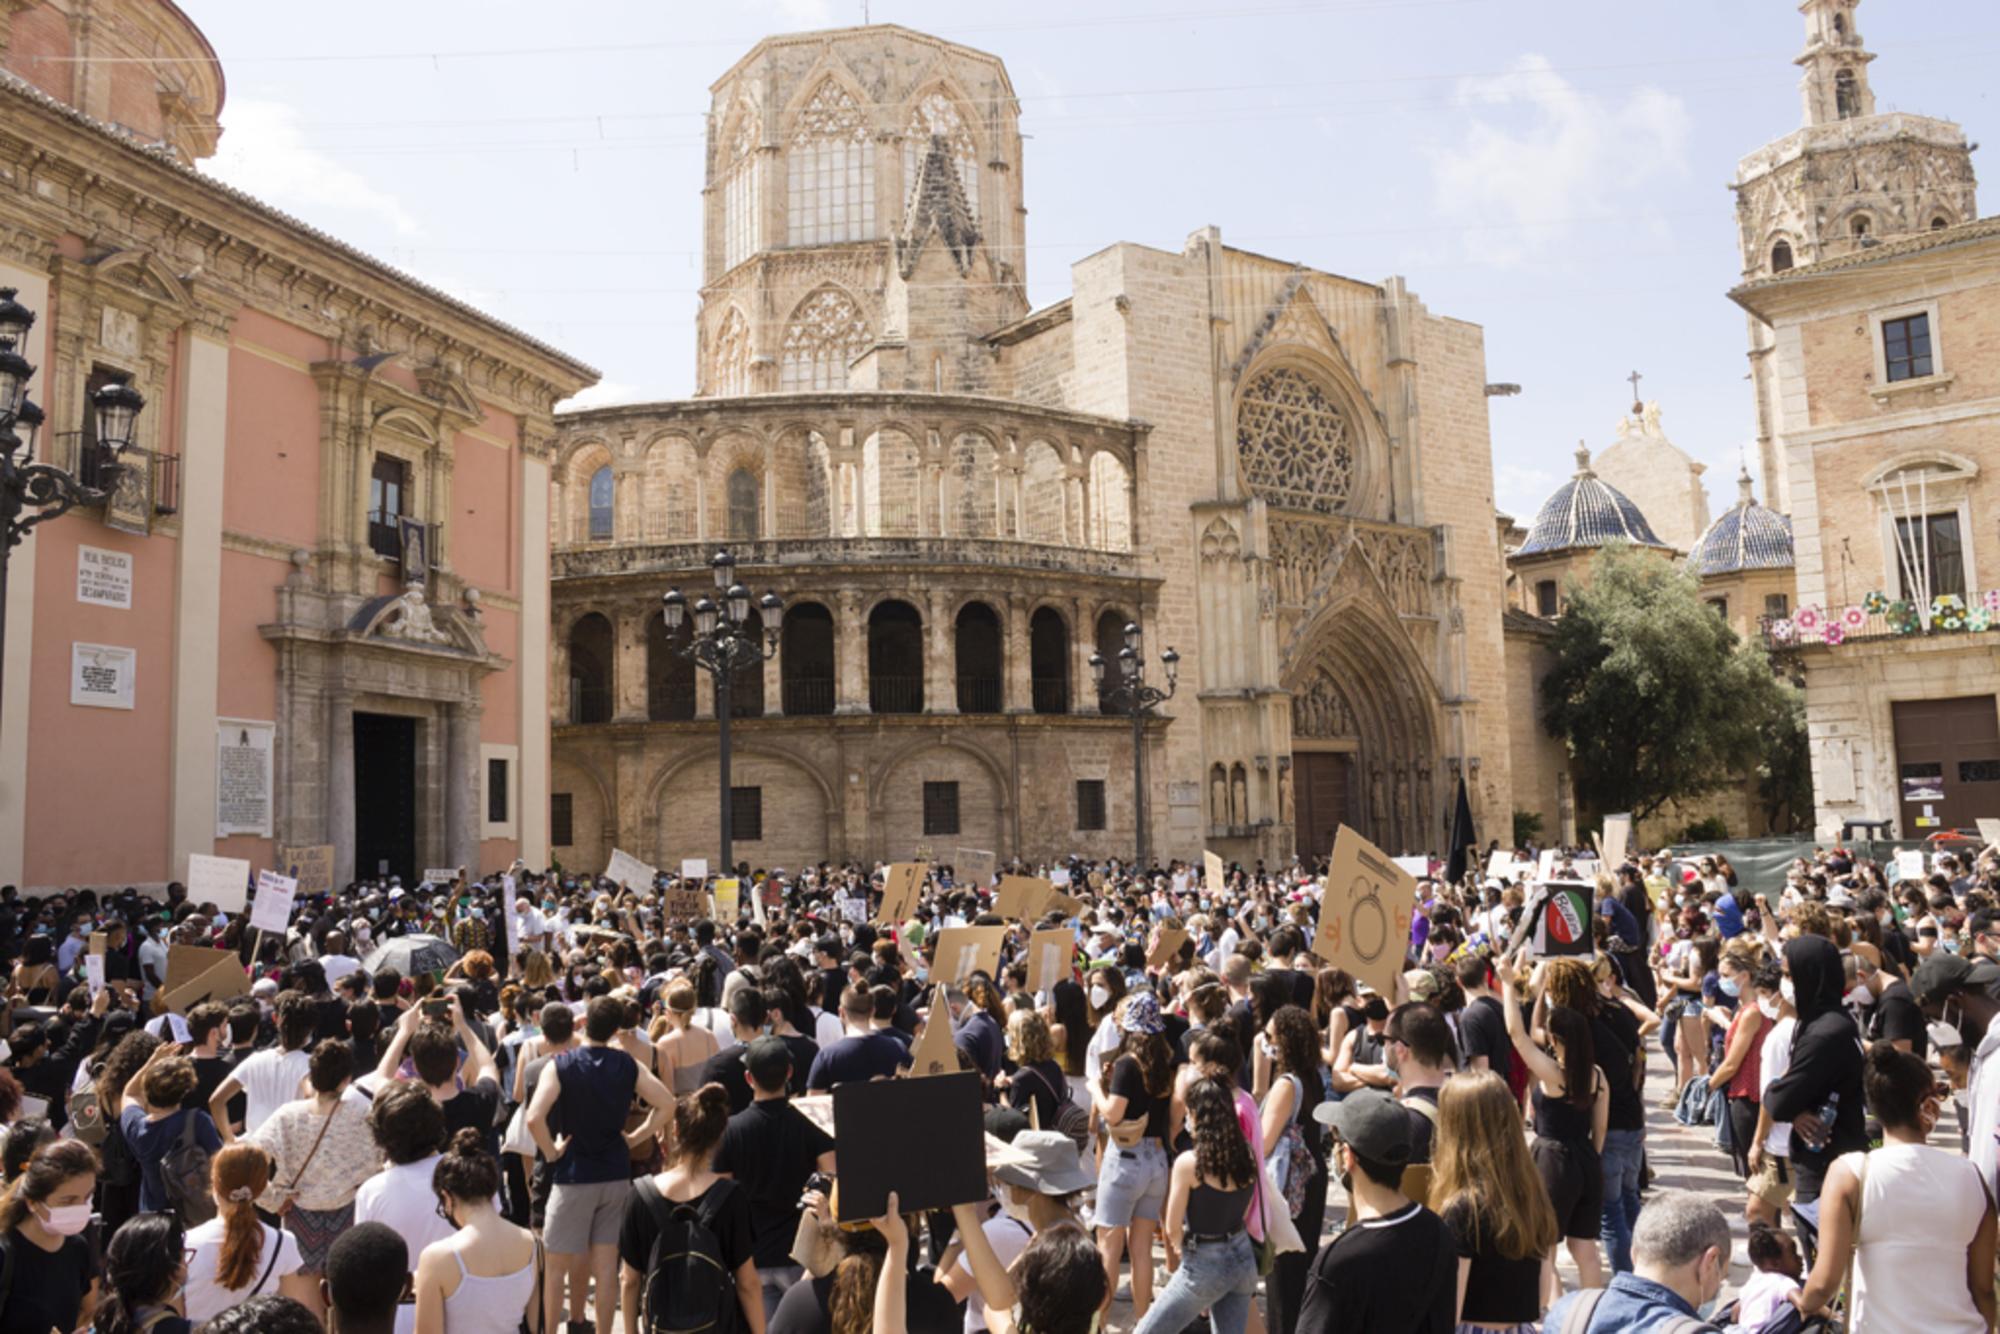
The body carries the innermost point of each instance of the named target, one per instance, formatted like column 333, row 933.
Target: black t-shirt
column 726, row 1068
column 1897, row 1016
column 928, row 1308
column 209, row 1072
column 832, row 981
column 1614, row 1037
column 1482, row 1031
column 1039, row 1083
column 803, row 1050
column 770, row 1148
column 475, row 1106
column 725, row 1206
column 1128, row 1081
column 1392, row 1275
column 48, row 1287
column 1498, row 1290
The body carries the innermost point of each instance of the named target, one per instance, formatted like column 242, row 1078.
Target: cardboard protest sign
column 507, row 915
column 223, row 881
column 976, row 866
column 1615, row 840
column 728, row 899
column 1064, row 904
column 627, row 870
column 311, row 864
column 965, row 950
column 1212, row 872
column 1365, row 912
column 1910, row 864
column 196, row 974
column 1546, row 867
column 1023, row 898
column 1059, row 876
column 1096, row 881
column 934, row 1053
column 694, row 868
column 925, row 1139
column 685, row 902
column 1989, row 830
column 1562, row 912
column 1167, row 942
column 1050, row 954
column 275, row 896
column 901, row 887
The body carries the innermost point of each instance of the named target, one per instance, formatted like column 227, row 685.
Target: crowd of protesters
column 533, row 1101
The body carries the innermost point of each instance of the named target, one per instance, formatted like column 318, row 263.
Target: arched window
column 1110, row 639
column 743, row 526
column 669, row 674
column 1846, row 95
column 729, row 372
column 935, row 117
column 590, row 652
column 1294, row 443
column 746, row 684
column 1781, row 256
column 805, row 660
column 1940, row 222
column 895, row 659
column 825, row 334
column 1857, row 226
column 977, row 656
column 830, row 172
column 1110, row 521
column 741, row 192
column 1048, row 661
column 602, row 504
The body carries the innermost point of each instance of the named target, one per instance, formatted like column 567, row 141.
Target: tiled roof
column 1585, row 512
column 1915, row 243
column 1746, row 536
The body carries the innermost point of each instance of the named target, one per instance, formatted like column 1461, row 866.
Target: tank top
column 488, row 1305
column 1561, row 1120
column 1744, row 1083
column 1213, row 1213
column 597, row 1086
column 1919, row 1206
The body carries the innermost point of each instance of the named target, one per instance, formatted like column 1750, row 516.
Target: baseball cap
column 767, row 1059
column 1369, row 1122
column 1422, row 982
column 1941, row 974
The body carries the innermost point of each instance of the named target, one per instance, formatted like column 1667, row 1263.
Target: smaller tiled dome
column 1744, row 537
column 1586, row 512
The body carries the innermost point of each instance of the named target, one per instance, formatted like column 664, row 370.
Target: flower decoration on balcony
column 1948, row 611
column 1992, row 602
column 1782, row 630
column 1853, row 619
column 1808, row 620
column 1875, row 603
column 1979, row 620
column 1833, row 634
column 1902, row 617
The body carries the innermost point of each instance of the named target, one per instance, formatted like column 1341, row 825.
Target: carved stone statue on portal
column 412, row 619
column 1320, row 713
column 1378, row 802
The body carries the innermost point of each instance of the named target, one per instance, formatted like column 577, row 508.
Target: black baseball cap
column 1369, row 1122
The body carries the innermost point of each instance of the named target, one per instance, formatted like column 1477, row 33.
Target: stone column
column 850, row 654
column 629, row 668
column 774, row 683
column 1020, row 690
column 461, row 796
column 204, row 394
column 340, row 828
column 704, row 694
column 940, row 659
column 1084, row 695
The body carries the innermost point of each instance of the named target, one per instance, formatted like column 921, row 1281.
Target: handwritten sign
column 441, row 876
column 93, row 962
column 901, row 887
column 965, row 950
column 1989, row 830
column 311, row 864
column 686, row 902
column 693, row 868
column 275, row 896
column 1616, row 839
column 628, row 871
column 1049, row 956
column 223, row 881
column 934, row 1053
column 728, row 899
column 1212, row 872
column 1060, row 877
column 977, row 865
column 1167, row 944
column 1416, row 866
column 196, row 974
column 1023, row 897
column 1365, row 912
column 1910, row 864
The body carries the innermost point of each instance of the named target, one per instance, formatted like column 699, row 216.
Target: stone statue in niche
column 1378, row 803
column 1218, row 797
column 1425, row 800
column 1239, row 797
column 1402, row 792
column 1284, row 789
column 411, row 619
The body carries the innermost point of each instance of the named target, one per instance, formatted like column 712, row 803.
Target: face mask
column 1730, row 986
column 1861, row 995
column 67, row 1220
column 479, row 914
column 1951, row 945
column 1785, row 990
column 1767, row 1007
column 1100, row 997
column 920, row 972
column 1944, row 1035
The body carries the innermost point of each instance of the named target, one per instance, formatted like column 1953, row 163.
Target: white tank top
column 1919, row 1210
column 488, row 1305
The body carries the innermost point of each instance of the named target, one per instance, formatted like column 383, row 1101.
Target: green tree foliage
column 1527, row 827
column 1656, row 698
column 1784, row 773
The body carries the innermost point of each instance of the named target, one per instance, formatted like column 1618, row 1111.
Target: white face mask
column 67, row 1220
column 1785, row 990
column 1768, row 1007
column 1100, row 997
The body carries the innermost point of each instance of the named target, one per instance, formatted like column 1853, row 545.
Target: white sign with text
column 104, row 577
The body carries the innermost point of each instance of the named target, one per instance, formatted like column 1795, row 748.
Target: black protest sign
column 925, row 1139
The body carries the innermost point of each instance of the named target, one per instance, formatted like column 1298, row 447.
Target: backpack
column 184, row 1176
column 1071, row 1119
column 1292, row 1162
column 689, row 1287
column 86, row 1118
column 1577, row 1319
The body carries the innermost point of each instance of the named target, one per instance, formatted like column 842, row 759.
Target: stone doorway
column 1320, row 781
column 385, row 796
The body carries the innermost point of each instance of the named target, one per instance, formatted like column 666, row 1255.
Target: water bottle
column 1828, row 1111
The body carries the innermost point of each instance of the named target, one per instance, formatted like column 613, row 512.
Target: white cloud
column 1540, row 157
column 608, row 394
column 264, row 152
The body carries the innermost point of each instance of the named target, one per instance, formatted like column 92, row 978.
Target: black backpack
column 690, row 1288
column 184, row 1176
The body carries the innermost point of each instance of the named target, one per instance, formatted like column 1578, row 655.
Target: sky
column 1552, row 170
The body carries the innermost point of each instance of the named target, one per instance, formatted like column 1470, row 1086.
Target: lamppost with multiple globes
column 722, row 647
column 33, row 493
column 1129, row 693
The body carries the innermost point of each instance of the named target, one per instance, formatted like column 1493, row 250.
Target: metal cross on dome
column 1637, row 406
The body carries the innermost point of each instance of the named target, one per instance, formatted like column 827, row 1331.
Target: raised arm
column 1540, row 1064
column 478, row 1060
column 392, row 1055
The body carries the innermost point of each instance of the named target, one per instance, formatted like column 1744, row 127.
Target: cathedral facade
column 1282, row 474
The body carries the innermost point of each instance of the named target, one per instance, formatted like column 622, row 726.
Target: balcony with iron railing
column 808, row 696
column 979, row 694
column 97, row 468
column 1878, row 618
column 679, row 556
column 1051, row 694
column 896, row 694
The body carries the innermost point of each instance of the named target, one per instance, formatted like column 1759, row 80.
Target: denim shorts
column 1131, row 1184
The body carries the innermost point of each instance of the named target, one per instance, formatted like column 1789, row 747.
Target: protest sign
column 1501, row 866
column 275, row 896
column 1023, row 898
column 965, row 950
column 694, row 868
column 976, row 866
column 853, row 908
column 901, row 887
column 1212, row 872
column 441, row 876
column 925, row 1139
column 1167, row 942
column 507, row 914
column 626, row 870
column 1096, row 881
column 223, row 881
column 311, row 864
column 1063, row 904
column 1617, row 837
column 1416, row 866
column 93, row 962
column 1989, row 831
column 728, row 899
column 1562, row 919
column 1365, row 912
column 687, row 901
column 934, row 1053
column 196, row 974
column 1910, row 864
column 1050, row 953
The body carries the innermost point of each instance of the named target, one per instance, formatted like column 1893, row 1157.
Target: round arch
column 983, row 763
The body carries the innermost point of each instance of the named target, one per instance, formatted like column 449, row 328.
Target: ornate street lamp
column 722, row 647
column 32, row 493
column 1129, row 693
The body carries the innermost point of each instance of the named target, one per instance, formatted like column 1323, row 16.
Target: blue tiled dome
column 1584, row 512
column 1745, row 537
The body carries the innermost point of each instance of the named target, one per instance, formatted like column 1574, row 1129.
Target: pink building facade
column 314, row 609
